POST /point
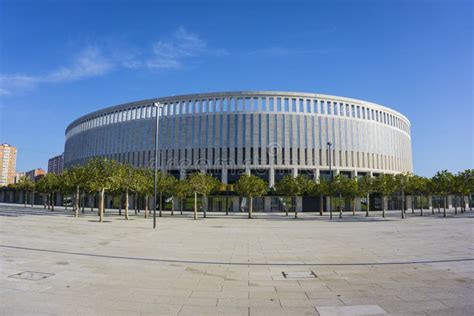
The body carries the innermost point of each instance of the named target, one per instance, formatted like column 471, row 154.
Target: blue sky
column 62, row 59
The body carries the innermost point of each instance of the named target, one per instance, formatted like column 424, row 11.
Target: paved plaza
column 55, row 264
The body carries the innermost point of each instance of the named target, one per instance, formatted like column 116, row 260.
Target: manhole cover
column 299, row 275
column 31, row 275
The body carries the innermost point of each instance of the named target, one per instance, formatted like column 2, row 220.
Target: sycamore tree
column 202, row 184
column 365, row 186
column 48, row 185
column 402, row 181
column 251, row 186
column 77, row 178
column 142, row 183
column 124, row 179
column 319, row 189
column 443, row 182
column 386, row 186
column 26, row 185
column 101, row 174
column 164, row 184
column 293, row 187
column 182, row 190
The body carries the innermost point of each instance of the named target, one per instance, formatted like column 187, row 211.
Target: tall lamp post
column 330, row 181
column 158, row 107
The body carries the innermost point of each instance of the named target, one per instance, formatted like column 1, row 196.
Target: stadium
column 266, row 133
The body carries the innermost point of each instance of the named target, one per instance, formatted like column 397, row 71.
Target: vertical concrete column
column 182, row 174
column 385, row 202
column 316, row 174
column 224, row 176
column 450, row 202
column 327, row 204
column 430, row 202
column 299, row 203
column 247, row 170
column 235, row 204
column 409, row 201
column 294, row 172
column 336, row 172
column 267, row 203
column 354, row 174
column 271, row 177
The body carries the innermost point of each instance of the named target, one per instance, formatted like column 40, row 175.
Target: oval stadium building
column 266, row 133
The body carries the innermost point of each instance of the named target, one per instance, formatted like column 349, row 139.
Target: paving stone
column 185, row 266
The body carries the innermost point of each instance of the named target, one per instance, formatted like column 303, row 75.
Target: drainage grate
column 299, row 275
column 31, row 275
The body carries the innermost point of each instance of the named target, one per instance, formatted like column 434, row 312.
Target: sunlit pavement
column 233, row 265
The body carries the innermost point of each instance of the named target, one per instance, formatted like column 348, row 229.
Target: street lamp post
column 158, row 107
column 330, row 181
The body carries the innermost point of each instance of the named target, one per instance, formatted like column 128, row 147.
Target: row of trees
column 99, row 176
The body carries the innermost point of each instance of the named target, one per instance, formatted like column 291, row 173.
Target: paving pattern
column 54, row 264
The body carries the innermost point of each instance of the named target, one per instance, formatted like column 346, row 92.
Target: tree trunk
column 172, row 205
column 195, row 206
column 321, row 205
column 204, row 205
column 146, row 206
column 412, row 204
column 294, row 205
column 287, row 210
column 76, row 203
column 250, row 207
column 137, row 203
column 383, row 207
column 403, row 204
column 120, row 204
column 455, row 205
column 444, row 205
column 161, row 206
column 52, row 202
column 25, row 196
column 354, row 206
column 368, row 205
column 101, row 205
column 32, row 198
column 340, row 206
column 181, row 205
column 421, row 206
column 126, row 203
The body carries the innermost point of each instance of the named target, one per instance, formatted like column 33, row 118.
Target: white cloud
column 172, row 52
column 88, row 63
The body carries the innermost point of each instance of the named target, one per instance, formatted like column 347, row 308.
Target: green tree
column 142, row 183
column 202, row 184
column 124, row 178
column 443, row 181
column 251, row 186
column 77, row 178
column 418, row 186
column 402, row 181
column 48, row 185
column 385, row 185
column 164, row 184
column 293, row 187
column 467, row 187
column 102, row 177
column 319, row 189
column 351, row 191
column 26, row 185
column 182, row 190
column 365, row 186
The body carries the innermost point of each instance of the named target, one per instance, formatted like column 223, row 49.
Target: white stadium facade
column 266, row 133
